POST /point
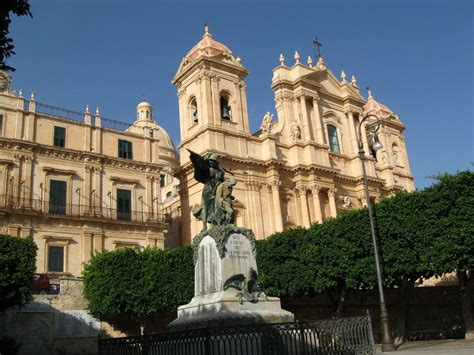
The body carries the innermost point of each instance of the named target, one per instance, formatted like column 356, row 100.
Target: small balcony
column 14, row 204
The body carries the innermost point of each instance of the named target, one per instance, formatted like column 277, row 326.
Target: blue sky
column 417, row 57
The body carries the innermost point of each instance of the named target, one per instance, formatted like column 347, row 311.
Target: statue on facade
column 216, row 203
column 267, row 123
column 295, row 131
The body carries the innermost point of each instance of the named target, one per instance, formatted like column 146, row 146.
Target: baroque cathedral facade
column 302, row 166
column 78, row 182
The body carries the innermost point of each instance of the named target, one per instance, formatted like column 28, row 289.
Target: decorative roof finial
column 238, row 60
column 206, row 30
column 370, row 93
column 20, row 93
column 310, row 62
column 343, row 76
column 297, row 57
column 33, row 96
column 321, row 64
column 97, row 111
column 282, row 59
column 354, row 81
column 87, row 108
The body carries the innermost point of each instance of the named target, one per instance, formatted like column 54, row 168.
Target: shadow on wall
column 39, row 329
column 127, row 326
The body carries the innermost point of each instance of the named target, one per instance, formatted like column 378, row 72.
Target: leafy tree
column 281, row 263
column 452, row 249
column 17, row 265
column 138, row 282
column 342, row 249
column 19, row 8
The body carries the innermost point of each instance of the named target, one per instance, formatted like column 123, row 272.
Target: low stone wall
column 431, row 312
column 54, row 324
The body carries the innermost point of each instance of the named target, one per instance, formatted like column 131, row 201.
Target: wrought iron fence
column 59, row 112
column 348, row 336
column 117, row 125
column 8, row 202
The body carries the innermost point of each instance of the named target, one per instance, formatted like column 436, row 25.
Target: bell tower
column 212, row 97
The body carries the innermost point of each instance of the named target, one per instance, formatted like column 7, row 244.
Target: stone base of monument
column 225, row 309
column 226, row 289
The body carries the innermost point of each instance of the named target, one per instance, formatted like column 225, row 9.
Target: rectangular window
column 57, row 197
column 124, row 204
column 162, row 180
column 59, row 136
column 124, row 149
column 1, row 125
column 55, row 259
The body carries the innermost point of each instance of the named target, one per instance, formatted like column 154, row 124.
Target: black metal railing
column 79, row 116
column 59, row 112
column 336, row 336
column 13, row 203
column 116, row 125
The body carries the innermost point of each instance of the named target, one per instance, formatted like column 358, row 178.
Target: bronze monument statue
column 216, row 203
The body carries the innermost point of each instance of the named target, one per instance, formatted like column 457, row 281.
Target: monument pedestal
column 226, row 283
column 224, row 309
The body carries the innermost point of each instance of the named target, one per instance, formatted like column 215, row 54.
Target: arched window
column 333, row 140
column 226, row 113
column 194, row 111
column 148, row 114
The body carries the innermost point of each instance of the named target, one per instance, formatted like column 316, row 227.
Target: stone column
column 87, row 189
column 364, row 139
column 305, row 123
column 98, row 134
column 275, row 186
column 27, row 178
column 350, row 117
column 243, row 105
column 98, row 189
column 149, row 195
column 301, row 189
column 332, row 202
column 214, row 100
column 317, row 203
column 317, row 119
column 87, row 132
column 206, row 97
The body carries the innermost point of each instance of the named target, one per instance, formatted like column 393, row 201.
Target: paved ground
column 435, row 347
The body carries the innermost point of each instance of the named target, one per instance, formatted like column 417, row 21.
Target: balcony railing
column 13, row 203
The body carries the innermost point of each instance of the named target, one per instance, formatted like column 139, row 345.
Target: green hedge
column 17, row 265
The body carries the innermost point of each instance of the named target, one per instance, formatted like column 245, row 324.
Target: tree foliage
column 420, row 234
column 138, row 282
column 19, row 8
column 17, row 265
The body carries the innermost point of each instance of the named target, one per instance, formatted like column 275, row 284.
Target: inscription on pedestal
column 239, row 258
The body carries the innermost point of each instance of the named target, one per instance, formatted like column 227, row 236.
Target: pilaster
column 301, row 189
column 275, row 187
column 317, row 203
column 332, row 202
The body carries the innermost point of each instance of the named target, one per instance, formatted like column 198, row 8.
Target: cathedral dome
column 207, row 46
column 143, row 104
column 144, row 120
column 373, row 107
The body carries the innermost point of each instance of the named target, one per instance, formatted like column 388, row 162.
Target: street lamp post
column 387, row 341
